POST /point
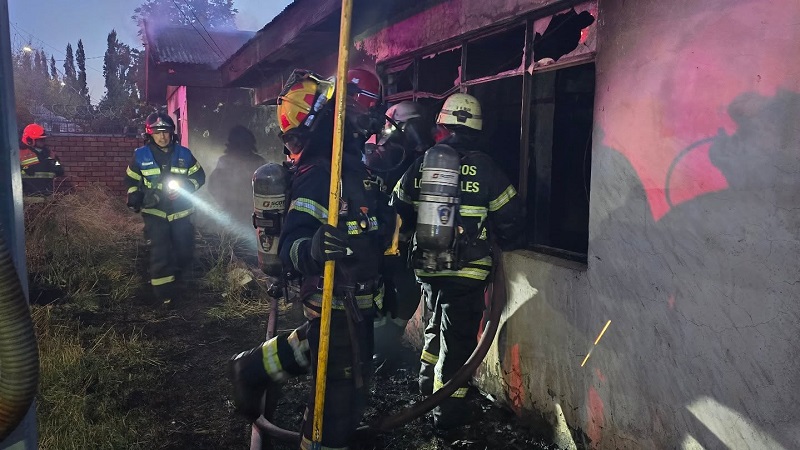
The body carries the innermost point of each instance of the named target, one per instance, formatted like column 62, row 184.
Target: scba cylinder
column 270, row 183
column 438, row 199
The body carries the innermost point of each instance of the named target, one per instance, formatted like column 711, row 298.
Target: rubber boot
column 250, row 382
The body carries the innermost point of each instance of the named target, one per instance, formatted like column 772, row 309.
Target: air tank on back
column 270, row 184
column 439, row 197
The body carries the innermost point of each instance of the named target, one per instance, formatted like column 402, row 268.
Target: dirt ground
column 190, row 404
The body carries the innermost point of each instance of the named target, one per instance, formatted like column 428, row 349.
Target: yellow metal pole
column 333, row 218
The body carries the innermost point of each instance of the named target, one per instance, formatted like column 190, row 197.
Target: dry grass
column 94, row 372
column 84, row 244
column 86, row 377
column 242, row 290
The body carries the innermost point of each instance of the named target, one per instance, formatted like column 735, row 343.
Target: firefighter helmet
column 363, row 87
column 461, row 109
column 33, row 132
column 405, row 111
column 304, row 99
column 159, row 122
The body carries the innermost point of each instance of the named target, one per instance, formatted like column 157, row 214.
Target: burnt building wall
column 692, row 230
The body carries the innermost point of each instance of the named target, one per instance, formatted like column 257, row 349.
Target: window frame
column 527, row 70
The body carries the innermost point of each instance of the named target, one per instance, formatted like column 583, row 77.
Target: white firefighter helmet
column 461, row 109
column 404, row 111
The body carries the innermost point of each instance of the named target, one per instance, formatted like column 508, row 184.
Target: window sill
column 556, row 257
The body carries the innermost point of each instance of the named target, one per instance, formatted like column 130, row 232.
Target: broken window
column 559, row 170
column 498, row 53
column 537, row 126
column 440, row 73
column 399, row 78
column 565, row 35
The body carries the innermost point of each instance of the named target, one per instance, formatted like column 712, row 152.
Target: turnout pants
column 345, row 402
column 400, row 301
column 451, row 336
column 171, row 250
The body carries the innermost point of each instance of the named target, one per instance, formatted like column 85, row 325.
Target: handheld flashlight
column 173, row 185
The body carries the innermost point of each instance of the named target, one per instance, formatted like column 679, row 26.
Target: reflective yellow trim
column 502, row 199
column 459, row 393
column 194, row 168
column 429, row 358
column 162, row 281
column 467, row 272
column 401, row 194
column 170, row 217
column 293, row 255
column 195, row 183
column 180, row 214
column 133, row 174
column 299, row 348
column 40, row 175
column 133, row 189
column 472, row 211
column 310, row 207
column 149, row 172
column 272, row 364
column 29, row 161
column 178, row 170
column 154, row 212
column 485, row 261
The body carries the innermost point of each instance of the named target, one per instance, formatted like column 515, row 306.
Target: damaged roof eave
column 287, row 28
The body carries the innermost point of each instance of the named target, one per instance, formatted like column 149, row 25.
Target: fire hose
column 19, row 355
column 498, row 302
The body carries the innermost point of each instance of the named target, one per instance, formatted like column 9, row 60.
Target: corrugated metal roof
column 189, row 45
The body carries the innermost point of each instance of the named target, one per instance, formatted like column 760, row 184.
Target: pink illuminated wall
column 672, row 81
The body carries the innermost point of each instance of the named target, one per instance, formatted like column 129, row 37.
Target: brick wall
column 93, row 159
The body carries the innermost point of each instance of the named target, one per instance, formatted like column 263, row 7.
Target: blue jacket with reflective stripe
column 145, row 172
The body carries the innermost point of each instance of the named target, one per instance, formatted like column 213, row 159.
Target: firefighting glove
column 151, row 199
column 329, row 244
column 135, row 200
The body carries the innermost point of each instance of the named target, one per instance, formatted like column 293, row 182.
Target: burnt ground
column 185, row 396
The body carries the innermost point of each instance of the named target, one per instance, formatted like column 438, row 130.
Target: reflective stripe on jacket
column 144, row 173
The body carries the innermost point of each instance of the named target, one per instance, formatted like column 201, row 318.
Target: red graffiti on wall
column 684, row 82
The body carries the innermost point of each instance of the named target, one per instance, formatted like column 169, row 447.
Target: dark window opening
column 562, row 36
column 555, row 167
column 440, row 74
column 559, row 171
column 400, row 79
column 501, row 103
column 495, row 54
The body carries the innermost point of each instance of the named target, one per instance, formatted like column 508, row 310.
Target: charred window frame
column 534, row 77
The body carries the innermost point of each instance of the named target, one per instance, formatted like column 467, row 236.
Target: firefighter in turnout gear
column 39, row 165
column 161, row 178
column 454, row 279
column 366, row 225
column 404, row 138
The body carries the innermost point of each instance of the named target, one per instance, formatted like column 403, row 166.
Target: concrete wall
column 694, row 233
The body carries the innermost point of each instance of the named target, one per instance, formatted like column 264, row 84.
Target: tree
column 70, row 76
column 120, row 64
column 43, row 69
column 53, row 70
column 80, row 58
column 209, row 13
